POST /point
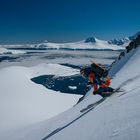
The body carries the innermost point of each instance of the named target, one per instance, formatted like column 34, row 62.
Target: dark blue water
column 62, row 83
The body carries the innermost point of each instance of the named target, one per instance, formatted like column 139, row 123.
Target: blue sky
column 27, row 21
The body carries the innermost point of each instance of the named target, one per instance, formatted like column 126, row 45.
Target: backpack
column 99, row 70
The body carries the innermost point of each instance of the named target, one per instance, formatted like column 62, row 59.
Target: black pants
column 104, row 92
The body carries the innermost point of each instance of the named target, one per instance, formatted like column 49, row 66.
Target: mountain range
column 89, row 43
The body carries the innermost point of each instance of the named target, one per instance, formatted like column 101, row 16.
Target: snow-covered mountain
column 91, row 43
column 82, row 45
column 120, row 42
column 91, row 40
column 123, row 41
column 116, row 118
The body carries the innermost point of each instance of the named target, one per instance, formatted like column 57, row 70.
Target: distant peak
column 45, row 41
column 118, row 41
column 91, row 40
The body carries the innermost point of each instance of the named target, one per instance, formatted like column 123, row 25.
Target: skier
column 98, row 78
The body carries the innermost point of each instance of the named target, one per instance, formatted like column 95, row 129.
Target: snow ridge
column 124, row 56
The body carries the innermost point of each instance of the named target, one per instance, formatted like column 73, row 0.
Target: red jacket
column 95, row 86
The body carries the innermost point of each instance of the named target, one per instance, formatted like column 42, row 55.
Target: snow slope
column 117, row 118
column 22, row 102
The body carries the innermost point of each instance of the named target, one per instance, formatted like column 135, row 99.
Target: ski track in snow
column 83, row 114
